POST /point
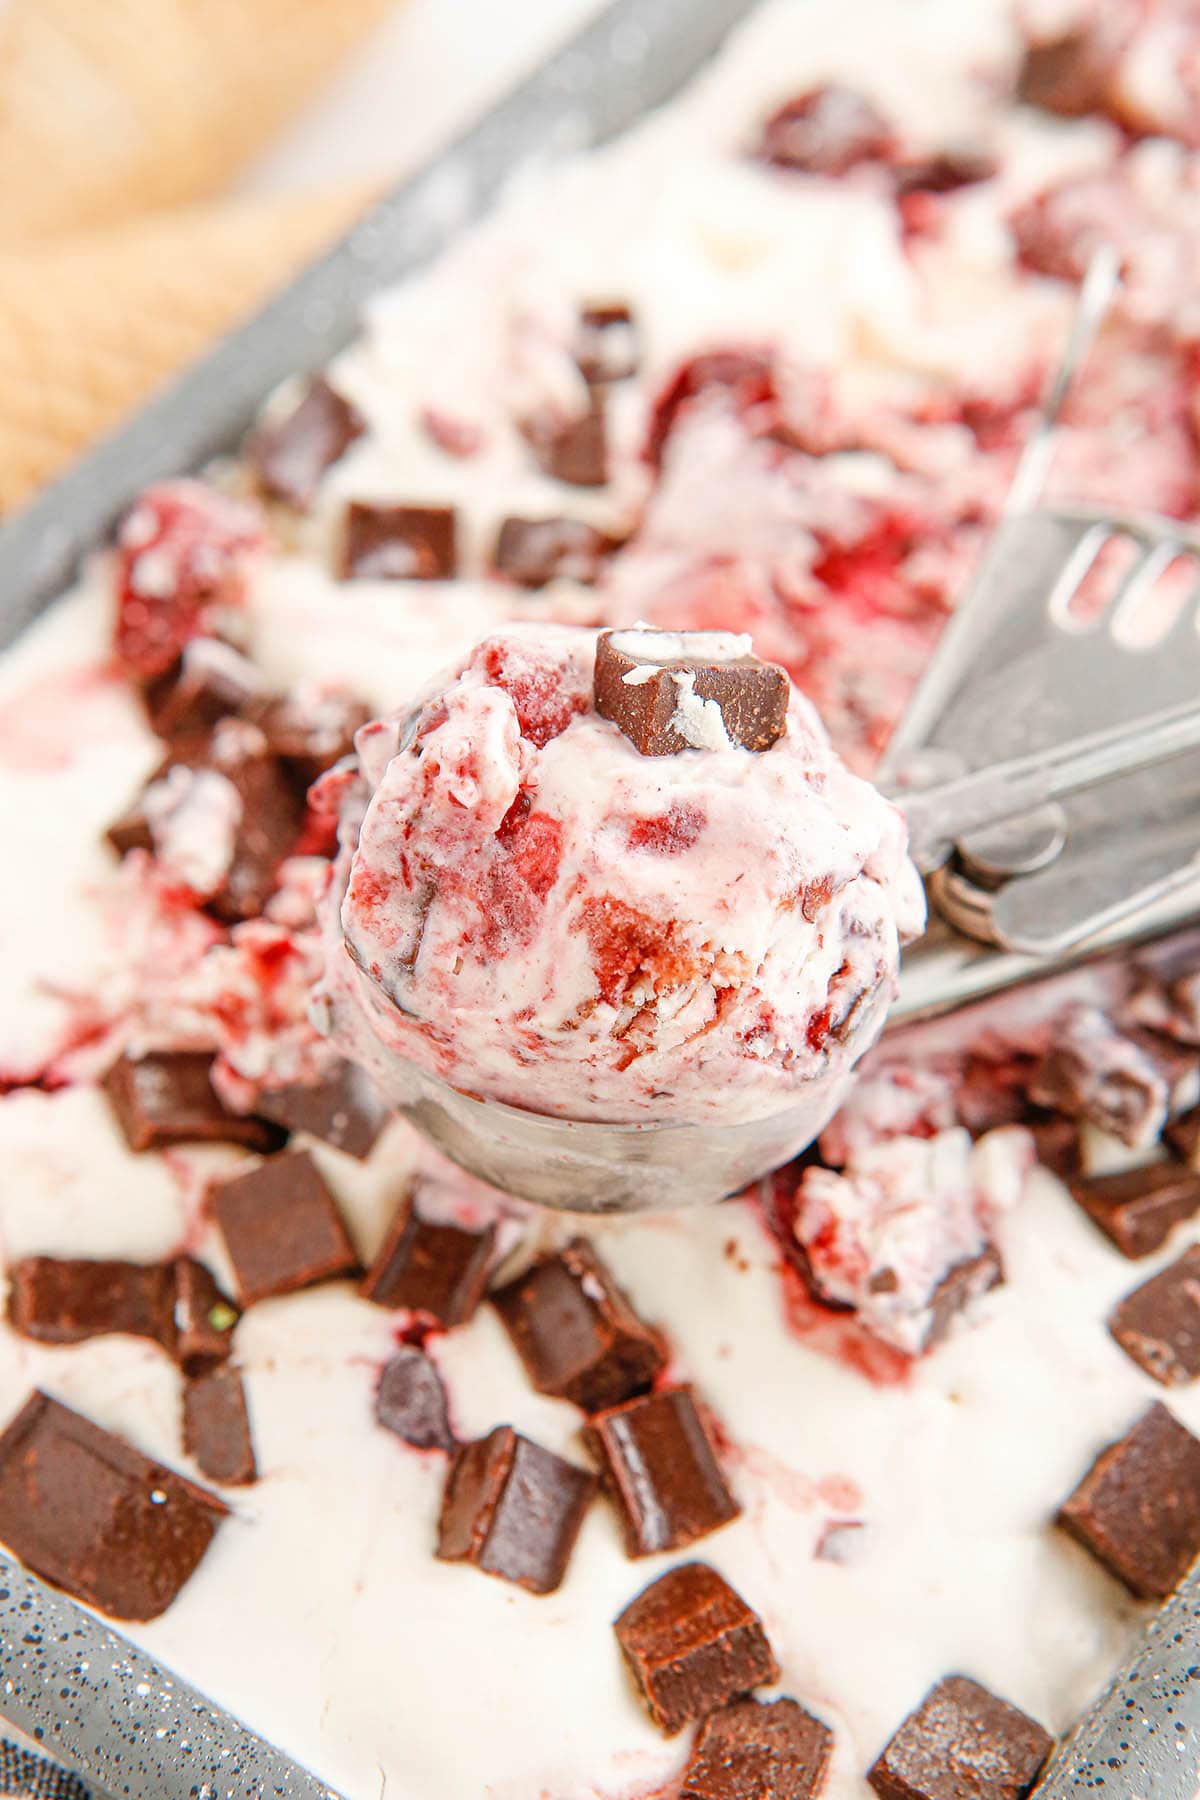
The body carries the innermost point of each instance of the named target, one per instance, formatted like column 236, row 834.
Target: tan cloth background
column 121, row 122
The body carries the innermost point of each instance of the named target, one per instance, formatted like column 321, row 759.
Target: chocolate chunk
column 606, row 347
column 572, row 450
column 440, row 1271
column 204, row 1317
column 1125, row 1081
column 661, row 688
column 692, row 1643
column 513, row 1509
column 758, row 1750
column 289, row 455
column 964, row 1283
column 576, row 1333
column 411, row 1401
column 827, row 131
column 1139, row 1208
column 1158, row 1324
column 213, row 682
column 310, row 734
column 399, row 543
column 1056, row 1143
column 962, row 1741
column 131, row 831
column 945, row 172
column 342, row 1109
column 658, row 1463
column 1138, row 1507
column 61, row 1301
column 1069, row 75
column 269, row 824
column 167, row 1098
column 1168, row 999
column 88, row 1512
column 1183, row 1135
column 282, row 1228
column 532, row 552
column 216, row 1426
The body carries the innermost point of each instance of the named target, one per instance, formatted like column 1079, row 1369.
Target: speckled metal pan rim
column 82, row 1692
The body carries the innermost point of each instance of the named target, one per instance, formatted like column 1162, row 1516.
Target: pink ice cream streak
column 529, row 908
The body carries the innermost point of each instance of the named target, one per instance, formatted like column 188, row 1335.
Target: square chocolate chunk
column 282, row 1228
column 342, row 1109
column 1158, row 1324
column 1139, row 1208
column 606, row 345
column 57, row 1300
column 440, row 1271
column 289, row 454
column 532, row 552
column 692, row 1643
column 216, row 1426
column 88, row 1512
column 671, row 691
column 658, row 1463
column 576, row 1333
column 758, row 1750
column 167, row 1098
column 962, row 1743
column 513, row 1509
column 411, row 1401
column 399, row 543
column 1138, row 1507
column 573, row 450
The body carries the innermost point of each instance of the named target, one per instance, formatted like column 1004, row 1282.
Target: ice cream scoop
column 610, row 920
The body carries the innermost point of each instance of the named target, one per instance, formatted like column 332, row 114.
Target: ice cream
column 537, row 912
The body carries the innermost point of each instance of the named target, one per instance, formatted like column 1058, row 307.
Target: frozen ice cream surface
column 540, row 914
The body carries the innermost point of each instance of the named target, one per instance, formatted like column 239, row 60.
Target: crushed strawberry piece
column 181, row 555
column 746, row 375
column 626, row 943
column 668, row 833
column 543, row 707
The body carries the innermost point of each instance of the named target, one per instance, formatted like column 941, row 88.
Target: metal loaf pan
column 85, row 1694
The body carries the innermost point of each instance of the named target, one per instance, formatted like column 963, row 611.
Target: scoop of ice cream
column 532, row 909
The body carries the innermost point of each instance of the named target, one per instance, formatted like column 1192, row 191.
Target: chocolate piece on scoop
column 1138, row 1507
column 658, row 1463
column 216, row 1426
column 769, row 1749
column 439, row 1271
column 411, row 1401
column 962, row 1740
column 692, row 1643
column 513, row 1509
column 399, row 543
column 88, row 1512
column 289, row 455
column 671, row 691
column 575, row 1331
column 282, row 1228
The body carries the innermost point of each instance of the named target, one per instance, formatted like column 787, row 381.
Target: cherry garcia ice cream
column 616, row 875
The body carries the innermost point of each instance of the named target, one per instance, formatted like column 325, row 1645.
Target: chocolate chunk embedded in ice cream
column 399, row 543
column 1139, row 1208
column 438, row 1270
column 681, row 690
column 962, row 1741
column 758, row 1750
column 167, row 1097
column 1138, row 1507
column 532, row 552
column 411, row 1401
column 659, row 1465
column 575, row 1331
column 1158, row 1324
column 692, row 1643
column 290, row 452
column 513, row 1509
column 88, row 1512
column 282, row 1228
column 216, row 1426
